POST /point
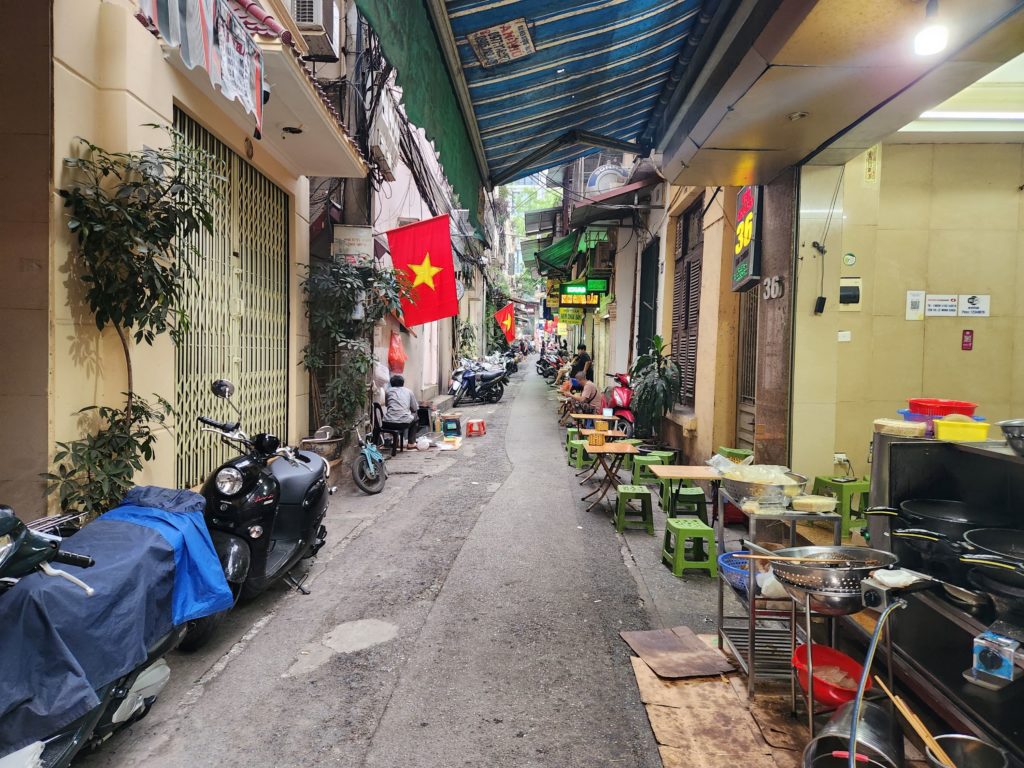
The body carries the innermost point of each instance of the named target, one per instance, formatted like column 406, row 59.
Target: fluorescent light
column 931, row 40
column 943, row 115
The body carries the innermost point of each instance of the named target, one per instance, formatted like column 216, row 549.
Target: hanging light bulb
column 934, row 36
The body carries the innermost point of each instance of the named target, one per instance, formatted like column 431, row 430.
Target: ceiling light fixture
column 934, row 36
column 794, row 116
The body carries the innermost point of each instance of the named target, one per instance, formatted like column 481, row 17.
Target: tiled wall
column 941, row 218
column 24, row 255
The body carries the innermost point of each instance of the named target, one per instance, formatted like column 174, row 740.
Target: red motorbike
column 619, row 399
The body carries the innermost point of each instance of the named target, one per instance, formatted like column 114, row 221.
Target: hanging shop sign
column 353, row 243
column 570, row 316
column 582, row 287
column 554, row 288
column 597, row 285
column 580, row 300
column 746, row 266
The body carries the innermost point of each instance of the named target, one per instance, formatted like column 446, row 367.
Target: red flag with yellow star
column 506, row 317
column 423, row 251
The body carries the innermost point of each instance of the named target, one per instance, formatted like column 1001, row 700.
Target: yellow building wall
column 111, row 78
column 941, row 218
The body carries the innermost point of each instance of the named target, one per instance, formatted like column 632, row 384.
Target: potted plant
column 655, row 381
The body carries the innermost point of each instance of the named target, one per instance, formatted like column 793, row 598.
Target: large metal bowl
column 1013, row 431
column 741, row 489
column 833, row 589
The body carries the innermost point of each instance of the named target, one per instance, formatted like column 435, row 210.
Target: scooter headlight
column 229, row 481
column 6, row 545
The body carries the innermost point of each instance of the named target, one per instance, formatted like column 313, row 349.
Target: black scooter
column 122, row 702
column 478, row 385
column 264, row 509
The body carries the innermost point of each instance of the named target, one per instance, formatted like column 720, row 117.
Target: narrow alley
column 469, row 615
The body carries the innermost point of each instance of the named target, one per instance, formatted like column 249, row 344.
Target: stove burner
column 1008, row 601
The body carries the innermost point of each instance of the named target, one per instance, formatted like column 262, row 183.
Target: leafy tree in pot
column 655, row 380
column 132, row 214
column 344, row 300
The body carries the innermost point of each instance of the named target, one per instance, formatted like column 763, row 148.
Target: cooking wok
column 999, row 552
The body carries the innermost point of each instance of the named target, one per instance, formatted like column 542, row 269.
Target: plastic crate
column 963, row 431
column 928, row 421
column 932, row 406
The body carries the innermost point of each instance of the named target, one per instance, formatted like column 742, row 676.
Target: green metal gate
column 238, row 307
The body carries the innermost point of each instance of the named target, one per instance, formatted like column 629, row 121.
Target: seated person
column 587, row 399
column 578, row 363
column 400, row 410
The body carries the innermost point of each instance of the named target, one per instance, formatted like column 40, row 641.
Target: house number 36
column 772, row 288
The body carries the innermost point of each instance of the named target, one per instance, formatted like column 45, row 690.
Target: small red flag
column 424, row 252
column 506, row 317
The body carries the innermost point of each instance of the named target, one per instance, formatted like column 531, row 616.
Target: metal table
column 617, row 452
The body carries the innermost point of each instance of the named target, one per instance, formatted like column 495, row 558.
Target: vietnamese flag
column 506, row 317
column 423, row 251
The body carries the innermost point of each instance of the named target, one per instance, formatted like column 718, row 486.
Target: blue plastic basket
column 735, row 570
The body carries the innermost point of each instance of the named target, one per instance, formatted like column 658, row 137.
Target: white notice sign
column 974, row 305
column 940, row 305
column 915, row 305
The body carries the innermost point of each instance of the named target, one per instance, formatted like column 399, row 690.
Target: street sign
column 353, row 243
column 570, row 316
column 583, row 300
column 746, row 266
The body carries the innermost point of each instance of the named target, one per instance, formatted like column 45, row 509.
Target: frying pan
column 999, row 552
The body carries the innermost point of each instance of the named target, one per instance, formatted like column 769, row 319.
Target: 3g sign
column 747, row 263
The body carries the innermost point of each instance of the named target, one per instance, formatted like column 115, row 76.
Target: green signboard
column 746, row 266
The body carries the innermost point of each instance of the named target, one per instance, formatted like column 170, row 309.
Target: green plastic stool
column 572, row 433
column 666, row 490
column 734, row 454
column 845, row 492
column 667, row 457
column 687, row 500
column 627, row 460
column 641, row 469
column 673, row 550
column 578, row 454
column 628, row 517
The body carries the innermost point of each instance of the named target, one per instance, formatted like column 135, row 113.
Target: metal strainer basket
column 834, row 587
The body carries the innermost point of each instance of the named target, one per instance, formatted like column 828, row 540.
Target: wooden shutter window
column 686, row 298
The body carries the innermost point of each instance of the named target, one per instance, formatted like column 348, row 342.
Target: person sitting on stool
column 400, row 410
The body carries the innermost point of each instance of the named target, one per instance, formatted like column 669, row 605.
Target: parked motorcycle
column 473, row 383
column 369, row 471
column 511, row 361
column 264, row 509
column 120, row 703
column 619, row 398
column 548, row 365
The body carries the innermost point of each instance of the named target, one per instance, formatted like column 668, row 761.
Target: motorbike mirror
column 9, row 522
column 222, row 388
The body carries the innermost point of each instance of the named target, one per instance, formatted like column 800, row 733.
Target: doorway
column 648, row 297
column 746, row 373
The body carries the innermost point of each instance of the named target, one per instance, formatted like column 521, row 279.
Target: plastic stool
column 628, row 517
column 673, row 553
column 476, row 428
column 667, row 457
column 641, row 469
column 578, row 454
column 570, row 434
column 845, row 492
column 687, row 499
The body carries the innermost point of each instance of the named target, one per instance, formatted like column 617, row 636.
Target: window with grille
column 689, row 248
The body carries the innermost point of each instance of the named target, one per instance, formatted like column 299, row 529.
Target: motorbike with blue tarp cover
column 90, row 645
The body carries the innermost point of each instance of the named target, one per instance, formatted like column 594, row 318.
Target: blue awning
column 539, row 72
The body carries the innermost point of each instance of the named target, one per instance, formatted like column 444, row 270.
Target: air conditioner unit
column 320, row 37
column 603, row 254
column 384, row 139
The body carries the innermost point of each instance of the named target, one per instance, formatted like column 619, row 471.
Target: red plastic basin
column 825, row 692
column 931, row 406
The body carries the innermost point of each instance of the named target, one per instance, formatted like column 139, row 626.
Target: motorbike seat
column 295, row 481
column 491, row 375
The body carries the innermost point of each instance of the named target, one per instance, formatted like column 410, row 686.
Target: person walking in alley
column 400, row 410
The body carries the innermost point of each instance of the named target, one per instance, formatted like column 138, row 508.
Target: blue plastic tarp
column 155, row 568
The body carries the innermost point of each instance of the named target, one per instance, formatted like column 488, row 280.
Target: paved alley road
column 466, row 616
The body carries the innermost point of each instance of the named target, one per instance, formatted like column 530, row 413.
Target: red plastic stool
column 475, row 428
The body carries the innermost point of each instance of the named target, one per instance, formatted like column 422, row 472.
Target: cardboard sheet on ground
column 676, row 653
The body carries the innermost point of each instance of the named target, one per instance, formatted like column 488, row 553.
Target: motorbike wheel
column 362, row 478
column 200, row 631
column 495, row 393
column 625, row 427
column 458, row 397
column 540, row 369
